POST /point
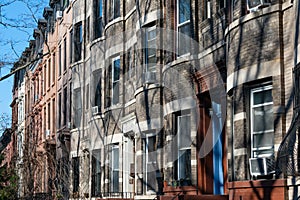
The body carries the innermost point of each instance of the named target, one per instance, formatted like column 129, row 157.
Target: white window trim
column 115, row 146
column 178, row 139
column 178, row 33
column 253, row 150
column 114, row 81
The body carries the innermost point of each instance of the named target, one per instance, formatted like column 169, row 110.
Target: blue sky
column 19, row 39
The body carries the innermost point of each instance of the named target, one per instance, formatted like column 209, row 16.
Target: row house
column 142, row 108
column 261, row 57
column 168, row 99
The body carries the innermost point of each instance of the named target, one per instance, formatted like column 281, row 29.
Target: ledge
column 251, row 16
column 257, row 184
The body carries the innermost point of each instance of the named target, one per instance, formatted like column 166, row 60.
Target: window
column 75, row 163
column 184, row 149
column 297, row 87
column 53, row 116
column 59, row 110
column 53, row 68
column 45, row 79
column 221, row 4
column 70, row 104
column 87, row 94
column 45, row 120
column 150, row 163
column 150, row 51
column 114, row 168
column 71, row 46
column 65, row 54
column 96, row 173
column 49, row 73
column 65, row 3
column 59, row 60
column 48, row 116
column 183, row 26
column 206, row 9
column 98, row 19
column 115, row 80
column 97, row 86
column 78, row 41
column 65, row 106
column 262, row 126
column 255, row 4
column 114, row 9
column 77, row 107
column 87, row 29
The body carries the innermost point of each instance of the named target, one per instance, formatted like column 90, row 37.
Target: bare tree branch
column 23, row 67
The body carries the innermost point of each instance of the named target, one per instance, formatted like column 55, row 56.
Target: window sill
column 182, row 59
column 76, row 63
column 96, row 40
column 146, row 87
column 173, row 190
column 113, row 107
column 114, row 21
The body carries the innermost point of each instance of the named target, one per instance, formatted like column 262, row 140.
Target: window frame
column 180, row 25
column 76, row 173
column 97, row 85
column 148, row 155
column 252, row 107
column 186, row 149
column 78, row 40
column 149, row 67
column 96, row 173
column 114, row 11
column 115, row 188
column 98, row 21
column 115, row 101
column 78, row 107
column 65, row 55
column 296, row 73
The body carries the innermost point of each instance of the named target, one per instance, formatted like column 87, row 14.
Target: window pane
column 262, row 97
column 97, row 85
column 115, row 158
column 264, row 153
column 100, row 8
column 184, row 10
column 115, row 169
column 116, row 92
column 184, row 164
column 116, row 70
column 254, row 3
column 115, row 181
column 116, row 8
column 263, row 140
column 184, row 39
column 152, row 34
column 263, row 118
column 184, row 132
